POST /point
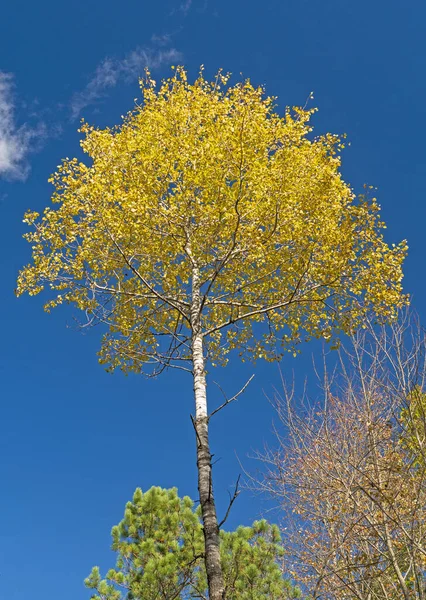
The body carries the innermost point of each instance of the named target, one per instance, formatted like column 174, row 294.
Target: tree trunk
column 205, row 485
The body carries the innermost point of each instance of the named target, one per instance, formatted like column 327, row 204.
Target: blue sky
column 74, row 441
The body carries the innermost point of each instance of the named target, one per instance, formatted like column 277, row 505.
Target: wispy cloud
column 112, row 70
column 185, row 6
column 16, row 142
column 162, row 39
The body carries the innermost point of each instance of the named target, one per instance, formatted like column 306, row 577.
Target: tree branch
column 266, row 309
column 231, row 501
column 145, row 282
column 195, row 429
column 229, row 400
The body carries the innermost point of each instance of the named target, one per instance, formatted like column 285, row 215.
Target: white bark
column 205, row 486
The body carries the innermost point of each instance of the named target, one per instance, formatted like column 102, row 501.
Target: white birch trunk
column 205, row 486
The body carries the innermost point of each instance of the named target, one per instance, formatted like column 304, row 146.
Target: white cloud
column 15, row 142
column 112, row 70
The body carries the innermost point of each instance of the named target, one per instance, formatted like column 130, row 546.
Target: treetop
column 206, row 184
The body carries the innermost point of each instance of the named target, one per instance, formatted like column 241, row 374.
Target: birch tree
column 207, row 222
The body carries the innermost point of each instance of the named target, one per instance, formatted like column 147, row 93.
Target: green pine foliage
column 251, row 559
column 160, row 551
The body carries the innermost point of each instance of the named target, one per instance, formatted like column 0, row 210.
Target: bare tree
column 349, row 472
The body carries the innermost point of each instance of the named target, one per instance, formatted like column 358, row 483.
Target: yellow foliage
column 207, row 178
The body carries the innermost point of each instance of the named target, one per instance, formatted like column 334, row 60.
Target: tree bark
column 205, row 485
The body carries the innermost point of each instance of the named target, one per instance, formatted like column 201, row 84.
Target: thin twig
column 229, row 400
column 231, row 501
column 196, row 431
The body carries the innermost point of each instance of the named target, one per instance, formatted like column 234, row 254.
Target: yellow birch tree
column 206, row 222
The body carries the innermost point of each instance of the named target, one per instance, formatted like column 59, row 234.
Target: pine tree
column 160, row 550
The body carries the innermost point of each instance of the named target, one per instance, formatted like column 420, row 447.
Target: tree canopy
column 208, row 178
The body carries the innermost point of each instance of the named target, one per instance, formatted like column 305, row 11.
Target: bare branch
column 229, row 400
column 231, row 502
column 194, row 424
